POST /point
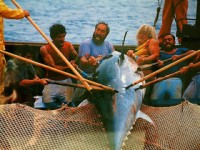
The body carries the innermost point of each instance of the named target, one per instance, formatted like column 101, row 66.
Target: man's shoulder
column 182, row 48
column 68, row 43
column 86, row 41
column 46, row 46
column 108, row 43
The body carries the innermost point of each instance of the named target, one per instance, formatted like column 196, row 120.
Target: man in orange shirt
column 8, row 13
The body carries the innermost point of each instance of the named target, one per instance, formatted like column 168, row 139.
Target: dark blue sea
column 80, row 17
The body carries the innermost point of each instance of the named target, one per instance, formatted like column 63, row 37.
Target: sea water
column 80, row 17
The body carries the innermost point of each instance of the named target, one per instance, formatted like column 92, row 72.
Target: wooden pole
column 147, row 66
column 53, row 69
column 159, row 79
column 56, row 49
column 163, row 69
column 73, row 85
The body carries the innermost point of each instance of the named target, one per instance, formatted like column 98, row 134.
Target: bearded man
column 170, row 88
column 91, row 51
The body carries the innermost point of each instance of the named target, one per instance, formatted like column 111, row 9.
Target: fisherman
column 22, row 77
column 170, row 88
column 93, row 49
column 8, row 13
column 173, row 8
column 148, row 48
column 146, row 52
column 193, row 90
column 55, row 95
column 91, row 52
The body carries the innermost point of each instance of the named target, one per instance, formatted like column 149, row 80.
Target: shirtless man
column 55, row 95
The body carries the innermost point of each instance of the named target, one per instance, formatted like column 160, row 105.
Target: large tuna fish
column 119, row 111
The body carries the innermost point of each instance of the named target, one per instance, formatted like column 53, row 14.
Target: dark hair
column 24, row 50
column 169, row 34
column 57, row 29
column 102, row 22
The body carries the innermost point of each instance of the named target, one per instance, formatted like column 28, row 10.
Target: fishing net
column 22, row 127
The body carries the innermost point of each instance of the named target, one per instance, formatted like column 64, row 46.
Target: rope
column 158, row 12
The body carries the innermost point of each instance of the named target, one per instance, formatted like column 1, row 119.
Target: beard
column 98, row 39
column 59, row 44
column 168, row 47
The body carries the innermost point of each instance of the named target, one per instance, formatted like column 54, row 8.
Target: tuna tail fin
column 142, row 115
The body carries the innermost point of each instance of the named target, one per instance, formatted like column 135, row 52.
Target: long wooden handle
column 53, row 69
column 72, row 84
column 147, row 66
column 163, row 69
column 56, row 49
column 159, row 79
